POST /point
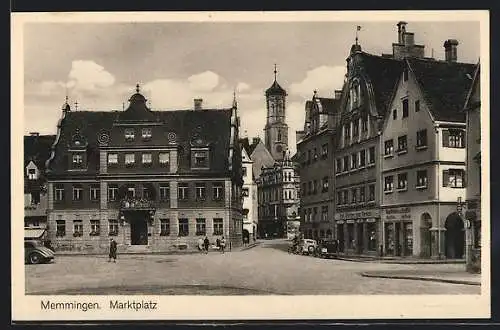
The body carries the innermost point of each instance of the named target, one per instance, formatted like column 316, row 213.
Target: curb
column 420, row 278
column 250, row 246
column 402, row 262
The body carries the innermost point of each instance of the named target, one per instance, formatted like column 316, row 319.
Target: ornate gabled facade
column 153, row 180
column 316, row 153
column 250, row 216
column 36, row 152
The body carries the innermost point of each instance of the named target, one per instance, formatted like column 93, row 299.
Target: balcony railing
column 137, row 204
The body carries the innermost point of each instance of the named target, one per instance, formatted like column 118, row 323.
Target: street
column 264, row 269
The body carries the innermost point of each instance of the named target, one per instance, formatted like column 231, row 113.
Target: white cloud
column 295, row 114
column 88, row 75
column 324, row 79
column 205, row 81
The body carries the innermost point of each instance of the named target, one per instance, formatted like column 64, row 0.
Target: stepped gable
column 445, row 86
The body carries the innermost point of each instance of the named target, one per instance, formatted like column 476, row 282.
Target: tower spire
column 235, row 103
column 275, row 71
column 137, row 88
column 358, row 28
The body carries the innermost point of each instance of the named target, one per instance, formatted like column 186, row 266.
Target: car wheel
column 35, row 258
column 310, row 249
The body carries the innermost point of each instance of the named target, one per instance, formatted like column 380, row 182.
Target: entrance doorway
column 454, row 237
column 397, row 240
column 425, row 235
column 340, row 236
column 138, row 229
column 359, row 238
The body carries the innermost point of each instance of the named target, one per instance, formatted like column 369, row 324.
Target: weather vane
column 358, row 28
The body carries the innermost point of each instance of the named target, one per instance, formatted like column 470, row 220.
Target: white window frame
column 147, row 133
column 129, row 134
column 78, row 192
column 147, row 159
column 129, row 159
column 113, row 158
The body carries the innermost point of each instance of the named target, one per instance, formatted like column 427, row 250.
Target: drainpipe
column 438, row 186
column 381, row 190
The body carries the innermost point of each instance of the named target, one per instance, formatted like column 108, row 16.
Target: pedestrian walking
column 112, row 250
column 206, row 242
column 222, row 244
column 200, row 244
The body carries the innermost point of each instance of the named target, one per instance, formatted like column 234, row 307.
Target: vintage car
column 308, row 246
column 327, row 249
column 36, row 253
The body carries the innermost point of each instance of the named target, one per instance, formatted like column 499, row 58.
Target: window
column 325, row 184
column 201, row 191
column 183, row 191
column 245, row 192
column 324, row 151
column 95, row 227
column 355, row 128
column 422, row 138
column 339, row 198
column 77, row 160
column 146, row 133
column 402, row 144
column 60, row 228
column 95, row 193
column 217, row 191
column 164, row 193
column 324, row 213
column 218, row 226
column 402, row 181
column 371, row 193
column 422, row 179
column 112, row 192
column 201, row 227
column 338, row 166
column 405, row 108
column 183, row 227
column 454, row 138
column 362, row 158
column 147, row 193
column 388, row 148
column 113, row 227
column 77, row 228
column 129, row 134
column 354, row 161
column 417, row 105
column 164, row 227
column 279, row 135
column 112, row 159
column 129, row 159
column 388, row 184
column 131, row 192
column 346, row 163
column 364, row 124
column 347, row 132
column 147, row 159
column 453, row 178
column 244, row 171
column 345, row 198
column 32, row 174
column 35, row 197
column 200, row 159
column 394, row 114
column 315, row 186
column 315, row 213
column 59, row 193
column 354, row 195
column 405, row 75
column 362, row 194
column 371, row 153
column 164, row 159
column 77, row 193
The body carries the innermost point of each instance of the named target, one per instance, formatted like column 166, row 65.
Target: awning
column 33, row 233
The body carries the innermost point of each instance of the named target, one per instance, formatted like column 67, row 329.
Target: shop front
column 358, row 232
column 398, row 232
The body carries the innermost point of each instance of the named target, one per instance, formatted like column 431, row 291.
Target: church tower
column 276, row 129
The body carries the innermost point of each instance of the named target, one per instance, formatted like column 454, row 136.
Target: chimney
column 409, row 39
column 450, row 50
column 34, row 133
column 338, row 94
column 401, row 31
column 198, row 104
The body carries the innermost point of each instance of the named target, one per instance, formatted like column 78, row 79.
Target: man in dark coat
column 112, row 250
column 206, row 243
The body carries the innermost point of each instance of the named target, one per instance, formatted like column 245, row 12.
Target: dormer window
column 146, row 133
column 129, row 134
column 200, row 159
column 32, row 175
column 77, row 159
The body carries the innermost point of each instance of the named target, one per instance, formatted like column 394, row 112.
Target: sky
column 99, row 64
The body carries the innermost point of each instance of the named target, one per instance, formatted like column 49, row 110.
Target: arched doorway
column 454, row 237
column 246, row 236
column 425, row 235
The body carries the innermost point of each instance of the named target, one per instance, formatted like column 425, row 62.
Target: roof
column 383, row 74
column 37, row 149
column 475, row 82
column 275, row 89
column 212, row 126
column 445, row 86
column 261, row 158
column 329, row 105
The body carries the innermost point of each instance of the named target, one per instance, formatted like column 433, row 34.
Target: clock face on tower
column 279, row 148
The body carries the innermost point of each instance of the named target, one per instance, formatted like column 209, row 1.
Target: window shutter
column 446, row 138
column 464, row 179
column 446, row 178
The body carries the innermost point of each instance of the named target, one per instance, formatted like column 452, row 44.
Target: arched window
column 279, row 135
column 355, row 95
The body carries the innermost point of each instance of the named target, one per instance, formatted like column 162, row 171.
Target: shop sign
column 396, row 214
column 340, row 222
column 350, row 221
column 357, row 215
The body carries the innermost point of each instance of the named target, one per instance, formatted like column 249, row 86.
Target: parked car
column 308, row 246
column 36, row 253
column 327, row 248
